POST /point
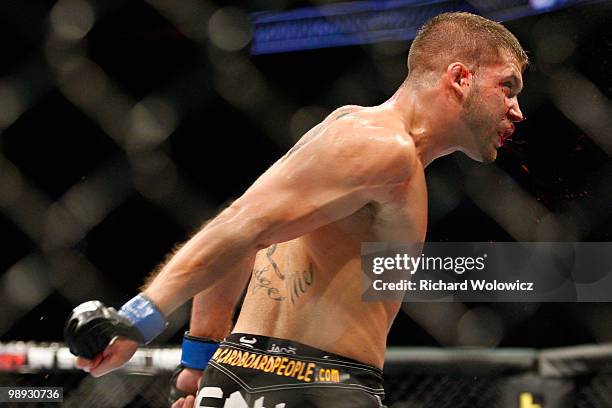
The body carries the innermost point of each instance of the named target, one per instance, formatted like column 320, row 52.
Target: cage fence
column 120, row 122
column 421, row 377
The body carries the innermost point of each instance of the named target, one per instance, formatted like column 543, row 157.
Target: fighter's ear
column 459, row 78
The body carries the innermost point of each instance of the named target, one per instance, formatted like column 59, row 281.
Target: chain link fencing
column 126, row 125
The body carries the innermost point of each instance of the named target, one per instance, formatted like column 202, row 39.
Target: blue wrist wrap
column 197, row 351
column 145, row 316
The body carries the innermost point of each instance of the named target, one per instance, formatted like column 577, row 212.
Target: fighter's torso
column 309, row 289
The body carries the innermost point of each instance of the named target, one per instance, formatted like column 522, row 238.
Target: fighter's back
column 309, row 289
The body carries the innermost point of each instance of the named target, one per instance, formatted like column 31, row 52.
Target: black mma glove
column 91, row 326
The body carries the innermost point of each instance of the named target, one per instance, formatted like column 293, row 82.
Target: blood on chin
column 505, row 135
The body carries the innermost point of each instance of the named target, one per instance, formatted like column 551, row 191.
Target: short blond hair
column 462, row 37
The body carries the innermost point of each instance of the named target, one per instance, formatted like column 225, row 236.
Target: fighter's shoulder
column 387, row 154
column 393, row 153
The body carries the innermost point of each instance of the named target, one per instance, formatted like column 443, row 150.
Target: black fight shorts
column 250, row 371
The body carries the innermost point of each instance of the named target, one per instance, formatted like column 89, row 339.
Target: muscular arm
column 323, row 181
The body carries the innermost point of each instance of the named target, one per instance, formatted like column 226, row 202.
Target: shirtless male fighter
column 304, row 337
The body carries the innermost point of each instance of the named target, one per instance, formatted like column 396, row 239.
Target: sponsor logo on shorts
column 248, row 342
column 284, row 366
column 527, row 400
column 235, row 399
column 287, row 349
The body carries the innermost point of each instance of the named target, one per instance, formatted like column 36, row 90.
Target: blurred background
column 126, row 124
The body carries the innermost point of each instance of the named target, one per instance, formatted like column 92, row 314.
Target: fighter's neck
column 423, row 115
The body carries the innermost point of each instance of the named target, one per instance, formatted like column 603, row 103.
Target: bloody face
column 491, row 108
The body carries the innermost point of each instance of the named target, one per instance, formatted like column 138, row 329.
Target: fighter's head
column 478, row 65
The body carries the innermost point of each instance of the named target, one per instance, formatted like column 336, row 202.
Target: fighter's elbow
column 262, row 222
column 247, row 226
column 262, row 232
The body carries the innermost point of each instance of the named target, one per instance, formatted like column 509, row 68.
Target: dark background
column 73, row 148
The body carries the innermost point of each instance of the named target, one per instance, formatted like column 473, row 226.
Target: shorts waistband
column 290, row 348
